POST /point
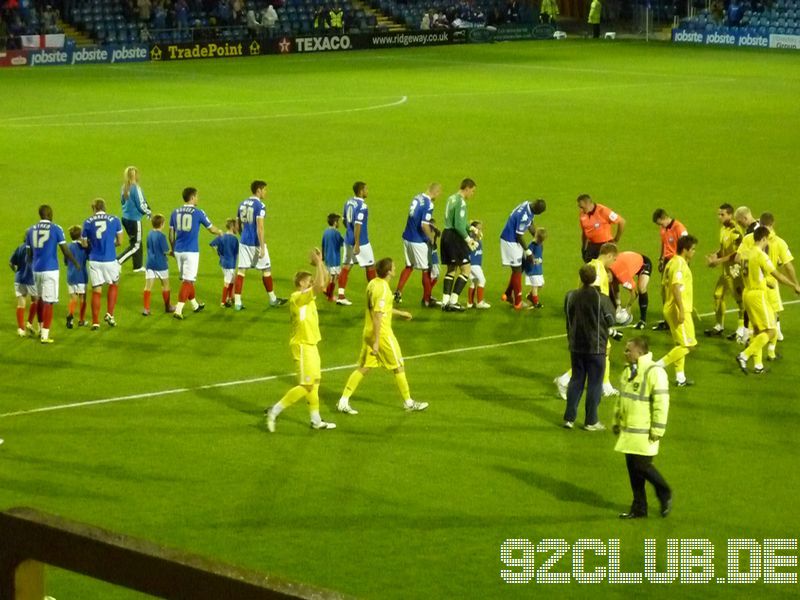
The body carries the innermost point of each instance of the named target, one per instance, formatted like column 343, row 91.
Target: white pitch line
column 223, row 384
column 338, row 111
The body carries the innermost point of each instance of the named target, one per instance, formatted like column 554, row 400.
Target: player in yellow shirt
column 730, row 280
column 782, row 259
column 303, row 344
column 379, row 347
column 678, row 307
column 607, row 256
column 757, row 268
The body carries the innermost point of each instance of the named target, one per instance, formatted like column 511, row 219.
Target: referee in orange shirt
column 671, row 231
column 596, row 222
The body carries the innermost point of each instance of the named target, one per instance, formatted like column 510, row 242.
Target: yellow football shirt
column 678, row 273
column 729, row 239
column 304, row 318
column 779, row 253
column 602, row 275
column 756, row 268
column 379, row 299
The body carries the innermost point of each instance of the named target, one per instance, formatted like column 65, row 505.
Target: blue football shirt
column 157, row 250
column 77, row 275
column 23, row 273
column 44, row 238
column 101, row 230
column 227, row 246
column 250, row 211
column 185, row 222
column 332, row 242
column 356, row 211
column 420, row 211
column 518, row 222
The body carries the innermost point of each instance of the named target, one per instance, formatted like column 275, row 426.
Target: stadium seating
column 782, row 18
column 105, row 21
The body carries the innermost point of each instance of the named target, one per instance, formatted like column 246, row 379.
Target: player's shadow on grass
column 564, row 491
column 526, row 402
column 110, row 471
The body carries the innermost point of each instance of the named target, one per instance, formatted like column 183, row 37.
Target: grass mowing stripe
column 222, row 384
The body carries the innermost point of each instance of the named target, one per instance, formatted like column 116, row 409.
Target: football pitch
column 394, row 504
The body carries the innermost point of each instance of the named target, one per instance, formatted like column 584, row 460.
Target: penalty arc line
column 223, row 384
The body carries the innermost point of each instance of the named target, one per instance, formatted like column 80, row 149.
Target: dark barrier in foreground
column 30, row 539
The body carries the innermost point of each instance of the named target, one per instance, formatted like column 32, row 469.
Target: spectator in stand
column 440, row 21
column 548, row 12
column 268, row 19
column 735, row 13
column 424, row 25
column 144, row 10
column 717, row 12
column 253, row 26
column 237, row 11
column 223, row 12
column 594, row 17
column 496, row 16
column 3, row 34
column 336, row 18
column 512, row 11
column 49, row 18
column 182, row 15
column 159, row 15
column 321, row 19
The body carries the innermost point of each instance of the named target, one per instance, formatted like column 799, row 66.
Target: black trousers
column 641, row 469
column 134, row 249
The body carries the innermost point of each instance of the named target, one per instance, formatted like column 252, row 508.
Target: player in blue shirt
column 23, row 288
column 253, row 252
column 227, row 246
column 77, row 278
column 184, row 237
column 332, row 242
column 513, row 247
column 534, row 273
column 356, row 239
column 42, row 241
column 101, row 234
column 134, row 209
column 476, row 276
column 156, row 266
column 417, row 238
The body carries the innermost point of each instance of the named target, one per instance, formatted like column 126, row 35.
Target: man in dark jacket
column 590, row 314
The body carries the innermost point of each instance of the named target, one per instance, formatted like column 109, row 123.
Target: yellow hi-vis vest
column 337, row 19
column 642, row 407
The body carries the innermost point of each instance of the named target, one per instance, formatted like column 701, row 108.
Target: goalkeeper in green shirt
column 456, row 245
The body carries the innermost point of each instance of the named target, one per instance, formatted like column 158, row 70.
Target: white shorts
column 511, row 253
column 23, row 289
column 248, row 258
column 76, row 288
column 535, row 280
column 188, row 263
column 364, row 258
column 46, row 285
column 476, row 275
column 160, row 275
column 435, row 271
column 102, row 273
column 417, row 254
column 228, row 275
column 334, row 270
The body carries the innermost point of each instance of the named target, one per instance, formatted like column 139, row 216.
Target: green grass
column 392, row 505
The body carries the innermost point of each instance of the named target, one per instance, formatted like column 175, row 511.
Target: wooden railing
column 29, row 540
